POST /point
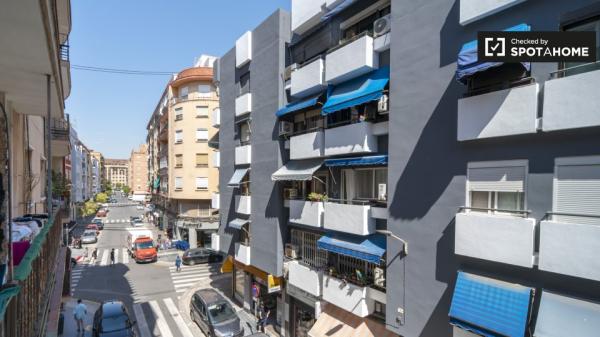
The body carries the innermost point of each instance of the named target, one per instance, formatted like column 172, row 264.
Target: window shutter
column 201, row 182
column 202, row 134
column 498, row 179
column 577, row 190
column 201, row 159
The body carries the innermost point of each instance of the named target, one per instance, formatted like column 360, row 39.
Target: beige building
column 98, row 171
column 183, row 156
column 117, row 171
column 138, row 170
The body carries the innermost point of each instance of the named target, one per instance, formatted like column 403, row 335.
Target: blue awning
column 357, row 161
column 357, row 91
column 297, row 106
column 490, row 307
column 238, row 223
column 467, row 64
column 369, row 248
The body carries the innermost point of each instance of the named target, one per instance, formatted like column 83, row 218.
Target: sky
column 110, row 111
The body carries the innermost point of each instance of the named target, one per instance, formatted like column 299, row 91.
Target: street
column 151, row 291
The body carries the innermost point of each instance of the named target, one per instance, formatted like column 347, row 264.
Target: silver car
column 89, row 237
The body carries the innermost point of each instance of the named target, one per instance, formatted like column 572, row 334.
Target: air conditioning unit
column 383, row 104
column 291, row 251
column 382, row 25
column 287, row 73
column 290, row 193
column 382, row 192
column 285, row 128
column 379, row 277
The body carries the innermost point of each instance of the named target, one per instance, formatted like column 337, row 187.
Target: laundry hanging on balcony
column 237, row 177
column 369, row 248
column 357, row 91
column 489, row 307
column 357, row 161
column 298, row 170
column 299, row 105
column 468, row 64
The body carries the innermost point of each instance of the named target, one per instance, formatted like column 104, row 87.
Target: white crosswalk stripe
column 125, row 256
column 174, row 312
column 141, row 320
column 189, row 276
column 105, row 256
column 160, row 320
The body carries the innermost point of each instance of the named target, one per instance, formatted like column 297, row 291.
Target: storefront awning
column 227, row 266
column 297, row 106
column 237, row 177
column 357, row 91
column 560, row 316
column 357, row 161
column 490, row 307
column 468, row 64
column 369, row 248
column 297, row 170
column 238, row 223
column 336, row 322
column 272, row 282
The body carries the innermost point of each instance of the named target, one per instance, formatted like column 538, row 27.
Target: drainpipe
column 48, row 150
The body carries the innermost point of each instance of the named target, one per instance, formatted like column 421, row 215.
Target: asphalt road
column 151, row 291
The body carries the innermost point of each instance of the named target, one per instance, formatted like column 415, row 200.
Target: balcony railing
column 59, row 129
column 64, row 52
column 349, row 216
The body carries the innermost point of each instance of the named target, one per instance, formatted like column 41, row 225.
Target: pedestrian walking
column 79, row 314
column 178, row 263
column 94, row 256
column 263, row 317
column 112, row 257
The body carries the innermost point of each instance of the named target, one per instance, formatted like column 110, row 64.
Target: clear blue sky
column 110, row 111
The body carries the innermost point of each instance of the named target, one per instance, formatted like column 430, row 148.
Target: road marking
column 141, row 320
column 125, row 256
column 184, row 285
column 105, row 255
column 160, row 320
column 183, row 328
column 190, row 278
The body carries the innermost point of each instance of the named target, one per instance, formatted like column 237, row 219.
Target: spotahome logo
column 536, row 46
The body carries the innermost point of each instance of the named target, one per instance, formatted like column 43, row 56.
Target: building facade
column 117, row 172
column 380, row 158
column 99, row 172
column 138, row 170
column 183, row 154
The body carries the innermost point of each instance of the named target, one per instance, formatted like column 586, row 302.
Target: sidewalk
column 70, row 326
column 222, row 284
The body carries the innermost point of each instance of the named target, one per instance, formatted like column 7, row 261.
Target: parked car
column 201, row 255
column 98, row 222
column 93, row 227
column 136, row 221
column 101, row 213
column 112, row 320
column 89, row 236
column 214, row 315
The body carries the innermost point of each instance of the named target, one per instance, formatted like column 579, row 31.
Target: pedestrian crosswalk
column 190, row 275
column 116, row 221
column 165, row 317
column 103, row 259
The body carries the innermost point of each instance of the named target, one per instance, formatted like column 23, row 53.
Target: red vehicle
column 93, row 227
column 101, row 213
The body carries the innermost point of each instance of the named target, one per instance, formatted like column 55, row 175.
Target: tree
column 101, row 198
column 89, row 208
column 126, row 189
column 60, row 185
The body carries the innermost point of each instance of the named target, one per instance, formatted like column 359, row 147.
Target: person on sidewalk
column 263, row 317
column 94, row 256
column 112, row 257
column 79, row 314
column 178, row 263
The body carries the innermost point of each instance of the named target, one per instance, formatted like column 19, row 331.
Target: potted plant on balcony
column 317, row 197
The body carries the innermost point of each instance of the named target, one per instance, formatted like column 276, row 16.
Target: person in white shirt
column 79, row 314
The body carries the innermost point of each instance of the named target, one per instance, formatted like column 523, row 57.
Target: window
column 201, row 160
column 204, row 90
column 179, row 160
column 497, row 187
column 201, row 135
column 178, row 114
column 366, row 184
column 183, row 92
column 588, row 25
column 306, row 246
column 363, row 22
column 179, row 136
column 201, row 183
column 379, row 310
column 201, row 111
column 245, row 185
column 244, row 84
column 577, row 190
column 309, row 120
column 244, row 133
column 178, row 183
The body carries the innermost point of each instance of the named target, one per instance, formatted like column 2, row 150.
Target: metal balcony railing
column 64, row 52
column 59, row 129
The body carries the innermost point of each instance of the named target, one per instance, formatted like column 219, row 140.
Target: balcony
column 242, row 253
column 216, row 117
column 308, row 80
column 506, row 112
column 215, row 201
column 351, row 297
column 305, row 278
column 307, row 145
column 216, row 159
column 163, row 134
column 572, row 102
column 306, row 14
column 473, row 10
column 568, row 246
column 65, row 70
column 243, row 154
column 350, row 60
column 243, row 49
column 308, row 213
column 243, row 104
column 215, row 242
column 60, row 141
column 349, row 218
column 350, row 139
column 243, row 204
column 500, row 238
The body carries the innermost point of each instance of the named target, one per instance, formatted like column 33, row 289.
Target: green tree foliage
column 61, row 186
column 126, row 189
column 89, row 208
column 101, row 197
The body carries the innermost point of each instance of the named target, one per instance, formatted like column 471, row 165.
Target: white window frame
column 201, row 130
column 199, row 185
column 493, row 164
column 204, row 94
column 184, row 92
column 178, row 136
column 200, row 108
column 178, row 184
column 178, row 113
